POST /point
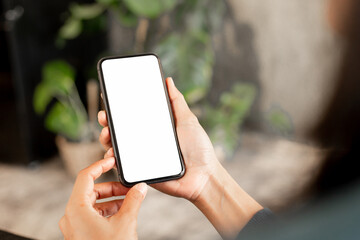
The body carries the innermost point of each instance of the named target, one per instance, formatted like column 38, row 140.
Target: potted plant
column 76, row 130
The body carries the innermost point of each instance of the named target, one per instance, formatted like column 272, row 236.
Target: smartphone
column 140, row 119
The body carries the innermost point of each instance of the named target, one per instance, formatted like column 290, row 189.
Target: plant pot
column 78, row 155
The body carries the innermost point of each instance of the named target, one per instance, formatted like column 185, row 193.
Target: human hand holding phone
column 86, row 219
column 205, row 183
column 197, row 150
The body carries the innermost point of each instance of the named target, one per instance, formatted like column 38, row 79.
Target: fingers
column 84, row 184
column 109, row 153
column 132, row 202
column 108, row 208
column 102, row 118
column 64, row 227
column 182, row 112
column 105, row 138
column 109, row 189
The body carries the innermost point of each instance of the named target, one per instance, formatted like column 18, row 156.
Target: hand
column 86, row 219
column 197, row 150
column 205, row 183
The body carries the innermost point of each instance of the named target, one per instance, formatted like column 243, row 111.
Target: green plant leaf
column 58, row 76
column 71, row 29
column 225, row 120
column 42, row 97
column 189, row 59
column 86, row 11
column 149, row 9
column 64, row 120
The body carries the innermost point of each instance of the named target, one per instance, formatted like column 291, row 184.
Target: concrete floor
column 272, row 170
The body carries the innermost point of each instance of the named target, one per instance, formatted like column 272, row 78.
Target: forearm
column 227, row 206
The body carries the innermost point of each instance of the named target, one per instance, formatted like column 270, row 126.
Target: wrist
column 226, row 205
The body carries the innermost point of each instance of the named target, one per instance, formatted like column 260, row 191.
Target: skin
column 86, row 219
column 338, row 15
column 205, row 183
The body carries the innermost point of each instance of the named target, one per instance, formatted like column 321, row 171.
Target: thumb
column 181, row 110
column 132, row 201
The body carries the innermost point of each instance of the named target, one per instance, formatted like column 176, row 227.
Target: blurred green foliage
column 128, row 12
column 149, row 9
column 187, row 54
column 67, row 116
column 189, row 59
column 224, row 121
column 185, row 50
column 279, row 121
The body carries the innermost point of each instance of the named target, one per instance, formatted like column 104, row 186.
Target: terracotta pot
column 78, row 155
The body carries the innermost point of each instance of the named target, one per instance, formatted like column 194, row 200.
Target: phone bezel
column 112, row 132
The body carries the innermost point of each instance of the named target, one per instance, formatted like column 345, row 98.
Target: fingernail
column 142, row 187
column 171, row 81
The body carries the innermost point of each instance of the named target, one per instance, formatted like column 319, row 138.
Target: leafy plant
column 185, row 50
column 127, row 11
column 193, row 77
column 225, row 120
column 193, row 20
column 67, row 116
column 188, row 54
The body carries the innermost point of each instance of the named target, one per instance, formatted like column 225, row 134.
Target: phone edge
column 111, row 128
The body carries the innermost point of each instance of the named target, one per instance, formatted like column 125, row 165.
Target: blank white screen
column 141, row 119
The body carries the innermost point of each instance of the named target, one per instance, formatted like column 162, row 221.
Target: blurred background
column 256, row 73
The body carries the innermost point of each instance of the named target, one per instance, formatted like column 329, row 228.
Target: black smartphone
column 140, row 119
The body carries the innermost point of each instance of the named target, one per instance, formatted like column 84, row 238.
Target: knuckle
column 193, row 119
column 103, row 132
column 178, row 98
column 61, row 223
column 67, row 211
column 181, row 97
column 136, row 195
column 83, row 172
column 111, row 151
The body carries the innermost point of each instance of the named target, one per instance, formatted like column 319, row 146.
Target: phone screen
column 140, row 119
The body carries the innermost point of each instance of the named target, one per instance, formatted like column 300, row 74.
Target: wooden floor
column 272, row 170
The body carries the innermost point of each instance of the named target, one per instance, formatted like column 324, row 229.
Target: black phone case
column 112, row 133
